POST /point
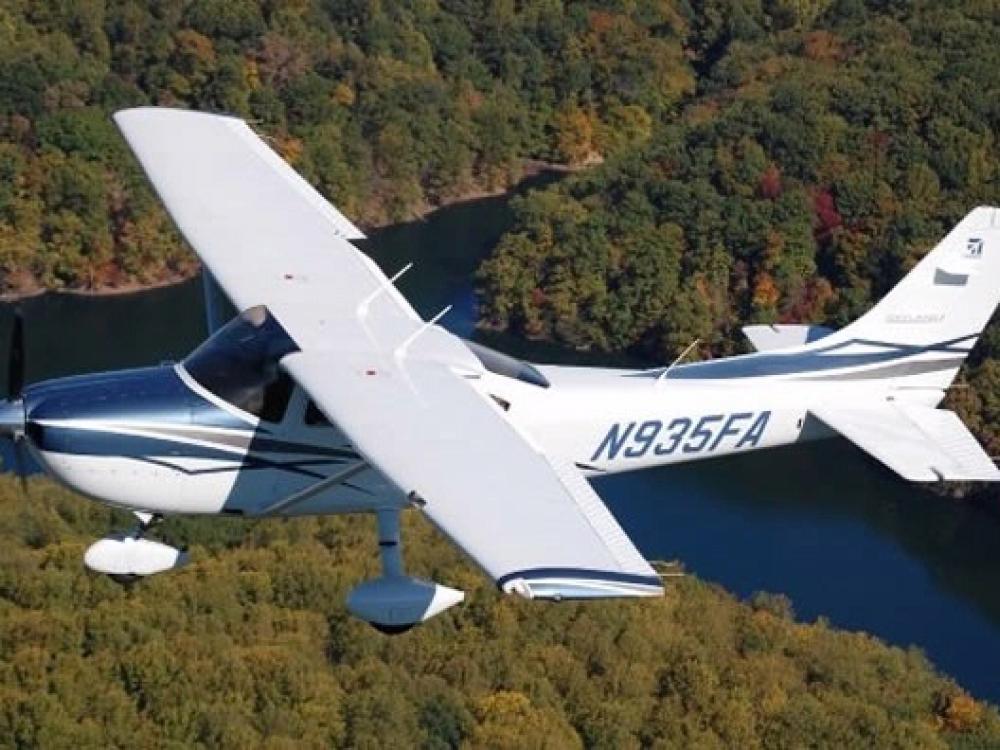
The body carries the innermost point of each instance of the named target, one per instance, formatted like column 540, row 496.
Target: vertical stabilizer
column 934, row 316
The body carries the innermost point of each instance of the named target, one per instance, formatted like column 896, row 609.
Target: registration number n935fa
column 656, row 437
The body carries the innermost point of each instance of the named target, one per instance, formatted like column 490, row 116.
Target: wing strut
column 314, row 489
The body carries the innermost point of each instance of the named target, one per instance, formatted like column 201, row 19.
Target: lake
column 822, row 523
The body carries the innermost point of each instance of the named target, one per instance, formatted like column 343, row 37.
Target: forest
column 387, row 107
column 734, row 161
column 251, row 646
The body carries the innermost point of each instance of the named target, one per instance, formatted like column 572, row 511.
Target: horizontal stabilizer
column 766, row 338
column 920, row 443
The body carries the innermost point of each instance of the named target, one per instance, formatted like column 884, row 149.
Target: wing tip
column 576, row 583
column 156, row 133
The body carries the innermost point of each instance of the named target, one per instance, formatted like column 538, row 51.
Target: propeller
column 12, row 416
column 15, row 362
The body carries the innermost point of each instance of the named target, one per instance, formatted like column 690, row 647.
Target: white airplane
column 329, row 394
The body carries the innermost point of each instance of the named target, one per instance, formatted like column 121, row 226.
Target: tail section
column 925, row 327
column 917, row 337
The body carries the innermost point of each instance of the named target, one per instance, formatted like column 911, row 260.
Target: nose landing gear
column 127, row 557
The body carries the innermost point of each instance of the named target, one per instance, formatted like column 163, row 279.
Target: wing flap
column 534, row 525
column 920, row 443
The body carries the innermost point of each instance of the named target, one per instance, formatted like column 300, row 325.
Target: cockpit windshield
column 239, row 364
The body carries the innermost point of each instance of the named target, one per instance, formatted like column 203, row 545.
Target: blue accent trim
column 815, row 333
column 157, row 395
column 73, row 441
column 268, row 445
column 251, row 464
column 761, row 364
column 582, row 574
column 162, row 451
column 83, row 442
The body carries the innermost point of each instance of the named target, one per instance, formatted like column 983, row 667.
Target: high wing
column 533, row 524
column 404, row 391
column 920, row 443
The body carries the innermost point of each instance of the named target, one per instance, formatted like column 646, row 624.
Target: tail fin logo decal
column 974, row 248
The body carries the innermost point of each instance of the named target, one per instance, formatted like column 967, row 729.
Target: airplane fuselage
column 610, row 421
column 152, row 439
column 155, row 440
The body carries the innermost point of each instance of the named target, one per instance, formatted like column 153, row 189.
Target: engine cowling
column 126, row 558
column 394, row 604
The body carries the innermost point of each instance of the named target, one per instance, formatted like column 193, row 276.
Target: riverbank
column 108, row 290
column 530, row 169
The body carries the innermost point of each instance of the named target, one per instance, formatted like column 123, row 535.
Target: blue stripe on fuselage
column 85, row 441
column 86, row 416
column 91, row 442
column 763, row 364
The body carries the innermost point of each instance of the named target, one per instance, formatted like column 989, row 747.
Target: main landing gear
column 394, row 602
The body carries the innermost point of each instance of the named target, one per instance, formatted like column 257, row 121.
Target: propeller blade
column 15, row 362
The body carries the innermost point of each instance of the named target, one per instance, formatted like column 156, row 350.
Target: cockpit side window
column 239, row 364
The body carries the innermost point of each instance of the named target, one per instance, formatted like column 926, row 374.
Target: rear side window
column 314, row 417
column 239, row 364
column 274, row 400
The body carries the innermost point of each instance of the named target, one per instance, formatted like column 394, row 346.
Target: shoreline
column 116, row 290
column 530, row 168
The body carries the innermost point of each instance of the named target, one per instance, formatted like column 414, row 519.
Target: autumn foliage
column 388, row 108
column 251, row 646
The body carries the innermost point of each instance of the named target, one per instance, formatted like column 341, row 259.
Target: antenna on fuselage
column 677, row 361
column 363, row 305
